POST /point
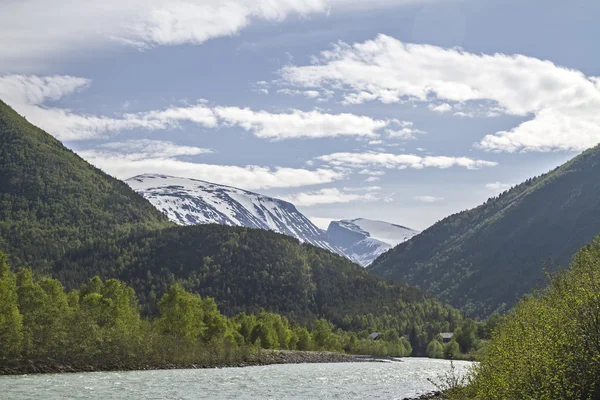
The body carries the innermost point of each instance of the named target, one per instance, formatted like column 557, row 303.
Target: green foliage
column 304, row 339
column 52, row 201
column 181, row 315
column 435, row 349
column 100, row 325
column 246, row 270
column 10, row 317
column 485, row 259
column 45, row 312
column 549, row 347
column 466, row 336
column 451, row 350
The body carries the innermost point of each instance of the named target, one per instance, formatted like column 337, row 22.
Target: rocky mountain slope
column 193, row 202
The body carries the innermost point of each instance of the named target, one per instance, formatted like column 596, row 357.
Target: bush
column 435, row 349
column 549, row 347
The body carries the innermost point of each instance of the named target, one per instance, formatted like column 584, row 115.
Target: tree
column 46, row 315
column 466, row 336
column 320, row 333
column 435, row 349
column 181, row 315
column 264, row 333
column 451, row 349
column 304, row 339
column 10, row 318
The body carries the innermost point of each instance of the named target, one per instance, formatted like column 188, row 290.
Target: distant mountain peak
column 189, row 201
column 363, row 240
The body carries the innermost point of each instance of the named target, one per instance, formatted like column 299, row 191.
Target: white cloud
column 440, row 108
column 39, row 33
column 406, row 131
column 126, row 164
column 35, row 90
column 28, row 93
column 498, row 186
column 145, row 148
column 429, row 199
column 299, row 124
column 327, row 196
column 371, row 172
column 560, row 105
column 372, row 179
column 310, row 94
column 401, row 161
column 362, row 189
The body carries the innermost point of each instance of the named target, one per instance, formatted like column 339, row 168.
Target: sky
column 405, row 111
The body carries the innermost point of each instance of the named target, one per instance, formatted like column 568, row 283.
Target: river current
column 393, row 380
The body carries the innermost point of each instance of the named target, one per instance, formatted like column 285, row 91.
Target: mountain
column 68, row 219
column 193, row 202
column 51, row 200
column 486, row 258
column 363, row 240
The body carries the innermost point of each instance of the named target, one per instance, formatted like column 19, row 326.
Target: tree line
column 100, row 324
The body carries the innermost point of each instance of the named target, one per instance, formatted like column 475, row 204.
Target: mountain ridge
column 188, row 201
column 484, row 259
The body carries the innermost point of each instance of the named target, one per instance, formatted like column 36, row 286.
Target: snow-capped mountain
column 192, row 202
column 363, row 240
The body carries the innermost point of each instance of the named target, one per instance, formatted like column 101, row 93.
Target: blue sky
column 400, row 110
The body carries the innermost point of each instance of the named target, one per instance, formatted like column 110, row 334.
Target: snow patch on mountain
column 192, row 202
column 363, row 240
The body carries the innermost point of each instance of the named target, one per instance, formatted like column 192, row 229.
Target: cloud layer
column 330, row 196
column 27, row 94
column 559, row 104
column 401, row 161
column 39, row 33
column 127, row 159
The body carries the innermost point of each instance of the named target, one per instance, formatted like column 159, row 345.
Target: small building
column 375, row 336
column 446, row 336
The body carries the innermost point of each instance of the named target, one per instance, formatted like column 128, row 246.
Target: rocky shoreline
column 428, row 396
column 22, row 367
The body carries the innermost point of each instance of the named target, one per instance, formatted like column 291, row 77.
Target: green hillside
column 487, row 257
column 51, row 200
column 246, row 269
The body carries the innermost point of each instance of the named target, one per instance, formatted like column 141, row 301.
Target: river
column 392, row 380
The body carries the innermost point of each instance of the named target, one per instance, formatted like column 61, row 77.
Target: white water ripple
column 302, row 381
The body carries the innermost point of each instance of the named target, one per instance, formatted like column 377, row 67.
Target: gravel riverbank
column 264, row 358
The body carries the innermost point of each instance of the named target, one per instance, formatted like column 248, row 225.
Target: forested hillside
column 488, row 257
column 245, row 269
column 52, row 201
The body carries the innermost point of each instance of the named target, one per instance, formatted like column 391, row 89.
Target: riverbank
column 265, row 357
column 428, row 396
